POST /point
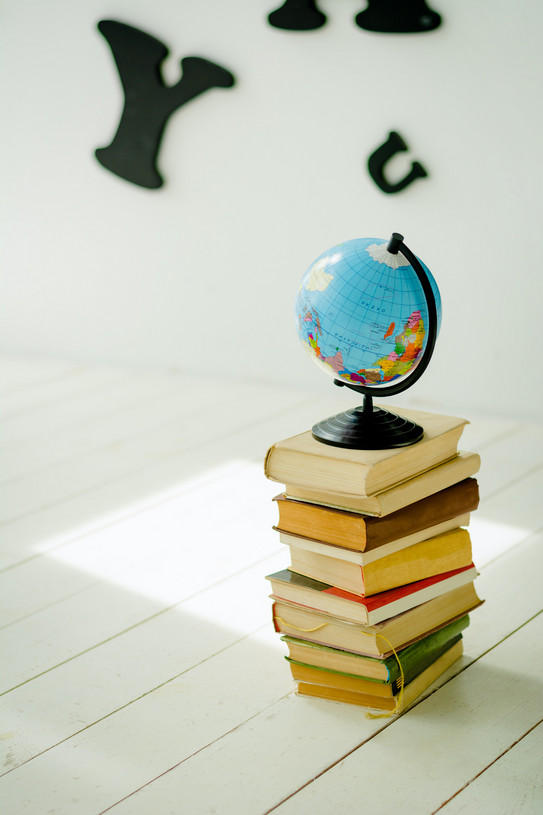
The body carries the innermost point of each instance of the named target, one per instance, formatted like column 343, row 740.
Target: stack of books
column 381, row 578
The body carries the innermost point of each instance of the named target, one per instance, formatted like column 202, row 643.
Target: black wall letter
column 398, row 17
column 148, row 101
column 376, row 163
column 297, row 15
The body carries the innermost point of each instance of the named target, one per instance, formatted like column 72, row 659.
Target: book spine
column 449, row 503
column 425, row 650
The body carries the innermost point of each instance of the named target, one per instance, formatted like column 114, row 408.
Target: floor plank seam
column 75, row 372
column 64, row 400
column 501, row 436
column 531, row 534
column 62, row 599
column 488, row 766
column 383, row 727
column 517, row 480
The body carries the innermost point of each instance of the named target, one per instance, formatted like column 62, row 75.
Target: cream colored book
column 309, row 463
column 379, row 639
column 463, row 465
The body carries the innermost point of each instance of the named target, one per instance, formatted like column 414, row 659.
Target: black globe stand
column 367, row 428
column 373, row 428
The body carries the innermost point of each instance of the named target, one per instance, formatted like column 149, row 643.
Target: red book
column 295, row 588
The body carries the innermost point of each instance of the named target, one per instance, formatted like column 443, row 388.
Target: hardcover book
column 373, row 553
column 318, row 596
column 413, row 659
column 307, row 462
column 437, row 555
column 303, row 672
column 458, row 468
column 364, row 533
column 394, row 704
column 379, row 640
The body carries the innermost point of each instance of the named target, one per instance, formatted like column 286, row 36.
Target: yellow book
column 344, row 569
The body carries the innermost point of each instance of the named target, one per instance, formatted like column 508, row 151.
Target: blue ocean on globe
column 361, row 312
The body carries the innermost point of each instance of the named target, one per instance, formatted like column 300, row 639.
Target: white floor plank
column 20, row 373
column 508, row 516
column 510, row 458
column 30, row 401
column 91, row 389
column 513, row 783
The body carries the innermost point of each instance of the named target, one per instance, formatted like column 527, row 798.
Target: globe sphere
column 361, row 313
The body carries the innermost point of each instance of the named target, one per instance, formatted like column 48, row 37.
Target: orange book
column 364, row 533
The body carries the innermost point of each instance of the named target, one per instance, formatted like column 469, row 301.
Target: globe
column 362, row 315
column 368, row 312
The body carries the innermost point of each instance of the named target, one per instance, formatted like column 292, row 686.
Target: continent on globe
column 407, row 350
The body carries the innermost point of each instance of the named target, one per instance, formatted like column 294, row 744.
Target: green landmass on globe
column 351, row 301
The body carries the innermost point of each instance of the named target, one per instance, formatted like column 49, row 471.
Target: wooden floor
column 140, row 670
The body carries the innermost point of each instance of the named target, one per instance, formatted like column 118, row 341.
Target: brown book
column 393, row 704
column 442, row 553
column 307, row 462
column 381, row 639
column 365, row 533
column 414, row 489
column 369, row 555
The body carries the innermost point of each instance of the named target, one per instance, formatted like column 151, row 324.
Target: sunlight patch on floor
column 492, row 538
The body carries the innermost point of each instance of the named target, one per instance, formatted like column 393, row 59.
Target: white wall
column 201, row 275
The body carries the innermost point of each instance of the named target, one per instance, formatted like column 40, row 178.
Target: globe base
column 367, row 429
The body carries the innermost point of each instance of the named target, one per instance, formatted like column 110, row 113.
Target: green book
column 414, row 659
